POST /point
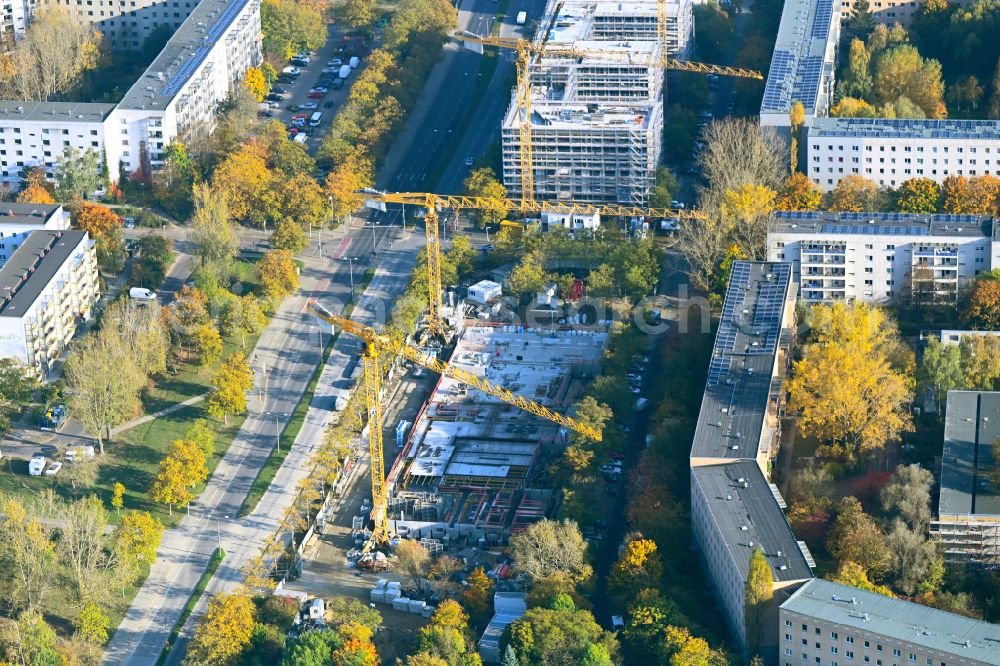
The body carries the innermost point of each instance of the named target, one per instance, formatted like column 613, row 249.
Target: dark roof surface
column 971, row 426
column 32, row 266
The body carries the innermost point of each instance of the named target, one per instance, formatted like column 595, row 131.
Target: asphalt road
column 284, row 360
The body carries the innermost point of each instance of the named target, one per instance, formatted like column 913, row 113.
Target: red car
column 315, row 94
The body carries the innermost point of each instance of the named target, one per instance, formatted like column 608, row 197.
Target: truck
column 345, row 71
column 141, row 294
column 342, row 397
column 522, row 18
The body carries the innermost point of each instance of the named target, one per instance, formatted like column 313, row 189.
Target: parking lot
column 296, row 90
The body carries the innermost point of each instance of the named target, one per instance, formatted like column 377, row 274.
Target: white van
column 354, row 62
column 140, row 294
column 37, row 465
column 315, row 119
column 300, row 138
column 75, row 453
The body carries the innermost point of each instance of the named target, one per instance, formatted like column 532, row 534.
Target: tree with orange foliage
column 983, row 311
column 856, row 194
column 970, row 196
column 357, row 649
column 799, row 193
column 246, row 182
column 105, row 227
column 35, row 194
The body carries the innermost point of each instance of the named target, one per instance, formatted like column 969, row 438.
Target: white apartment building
column 952, row 337
column 804, row 61
column 17, row 221
column 14, row 21
column 591, row 153
column 201, row 63
column 829, row 624
column 890, row 152
column 35, row 134
column 890, row 11
column 126, row 24
column 47, row 288
column 883, row 257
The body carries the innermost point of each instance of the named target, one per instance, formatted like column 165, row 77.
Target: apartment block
column 180, row 91
column 968, row 520
column 951, row 337
column 890, row 11
column 35, row 134
column 734, row 508
column 803, row 64
column 14, row 21
column 18, row 221
column 126, row 24
column 47, row 287
column 829, row 624
column 883, row 257
column 587, row 152
column 890, row 152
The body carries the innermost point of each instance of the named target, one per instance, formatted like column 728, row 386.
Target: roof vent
column 778, row 554
column 783, row 567
column 743, row 528
column 740, row 480
column 729, row 497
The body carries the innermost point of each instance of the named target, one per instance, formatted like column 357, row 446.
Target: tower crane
column 526, row 50
column 433, row 203
column 377, row 345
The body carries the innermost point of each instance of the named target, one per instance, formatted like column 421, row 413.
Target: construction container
column 377, row 596
column 393, row 585
column 391, row 594
column 401, row 604
column 380, row 583
column 428, row 611
column 416, row 606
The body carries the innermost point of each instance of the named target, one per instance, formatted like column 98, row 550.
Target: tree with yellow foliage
column 223, row 633
column 231, row 382
column 845, row 387
column 638, row 568
column 355, row 172
column 278, row 275
column 853, row 574
column 256, row 83
column 971, row 196
column 757, row 594
column 246, row 182
column 918, row 195
column 850, row 107
column 748, row 207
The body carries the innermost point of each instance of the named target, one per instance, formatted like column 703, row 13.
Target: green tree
column 861, row 22
column 245, row 316
column 529, row 275
column 965, row 93
column 855, row 537
column 980, row 357
column 16, row 386
column 638, row 567
column 289, row 28
column 994, row 110
column 358, row 13
column 550, row 549
column 289, row 235
column 312, row 648
column 510, row 657
column 212, row 231
column 36, row 643
column 757, row 594
column 941, row 369
column 545, row 636
column 77, row 173
column 484, row 183
column 665, row 189
column 918, row 195
column 901, row 72
column 93, row 624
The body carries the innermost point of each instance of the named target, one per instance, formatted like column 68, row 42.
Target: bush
column 277, row 610
column 152, row 259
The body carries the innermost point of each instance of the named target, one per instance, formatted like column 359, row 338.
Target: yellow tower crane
column 526, row 50
column 377, row 345
column 433, row 203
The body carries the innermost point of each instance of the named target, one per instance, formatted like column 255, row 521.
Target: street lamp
column 277, row 428
column 218, row 528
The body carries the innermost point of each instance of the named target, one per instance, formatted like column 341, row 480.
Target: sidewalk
column 163, row 412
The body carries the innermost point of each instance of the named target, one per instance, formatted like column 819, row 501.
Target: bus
column 315, row 119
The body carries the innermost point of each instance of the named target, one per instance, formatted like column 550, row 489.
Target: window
column 788, row 652
column 895, row 651
column 788, row 623
column 913, row 657
column 833, row 635
column 805, row 627
column 833, row 650
column 867, row 645
column 788, row 638
column 850, row 654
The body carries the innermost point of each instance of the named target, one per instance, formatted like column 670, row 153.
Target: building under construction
column 470, row 462
column 596, row 122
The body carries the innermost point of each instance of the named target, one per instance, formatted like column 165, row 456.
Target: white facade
column 890, row 152
column 14, row 20
column 17, row 221
column 804, row 61
column 950, row 337
column 571, row 221
column 484, row 291
column 46, row 288
column 202, row 62
column 126, row 25
column 883, row 257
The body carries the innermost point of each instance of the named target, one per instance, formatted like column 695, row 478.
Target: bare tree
column 908, row 495
column 141, row 329
column 704, row 244
column 551, row 549
column 55, row 51
column 739, row 152
column 81, row 548
column 412, row 559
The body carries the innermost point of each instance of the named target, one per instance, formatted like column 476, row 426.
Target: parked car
column 74, row 453
column 279, row 90
column 274, row 97
column 291, row 71
column 337, row 84
column 53, row 469
column 336, row 62
column 308, row 106
column 316, row 93
column 469, row 161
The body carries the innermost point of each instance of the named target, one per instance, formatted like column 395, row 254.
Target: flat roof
column 736, row 396
column 949, row 336
column 882, row 224
column 32, row 267
column 901, row 620
column 747, row 516
column 586, row 115
column 55, row 112
column 26, row 213
column 972, row 424
column 885, row 128
column 183, row 54
column 799, row 63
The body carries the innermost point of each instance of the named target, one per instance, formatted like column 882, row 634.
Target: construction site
column 469, row 472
